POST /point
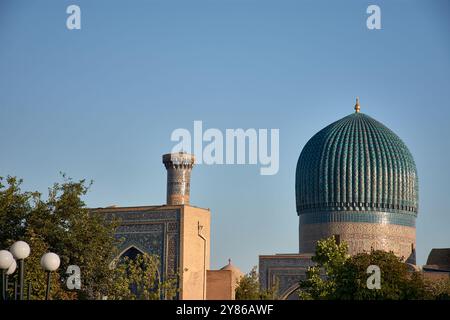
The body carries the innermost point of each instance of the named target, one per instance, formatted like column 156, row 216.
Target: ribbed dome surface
column 356, row 164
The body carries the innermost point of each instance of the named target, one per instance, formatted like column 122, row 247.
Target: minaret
column 179, row 166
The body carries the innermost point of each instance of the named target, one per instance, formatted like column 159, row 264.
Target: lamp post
column 20, row 250
column 10, row 271
column 6, row 260
column 49, row 262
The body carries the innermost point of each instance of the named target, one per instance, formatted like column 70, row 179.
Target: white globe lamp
column 12, row 268
column 20, row 250
column 50, row 261
column 6, row 259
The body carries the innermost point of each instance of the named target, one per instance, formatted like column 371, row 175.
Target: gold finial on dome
column 357, row 106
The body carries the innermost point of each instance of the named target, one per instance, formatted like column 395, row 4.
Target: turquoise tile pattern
column 365, row 217
column 357, row 170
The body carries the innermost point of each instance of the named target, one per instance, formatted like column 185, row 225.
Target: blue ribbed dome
column 356, row 164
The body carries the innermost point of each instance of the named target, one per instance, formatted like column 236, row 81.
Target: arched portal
column 291, row 293
column 130, row 252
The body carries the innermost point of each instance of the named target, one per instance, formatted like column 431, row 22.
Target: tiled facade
column 284, row 271
column 179, row 235
column 356, row 164
column 355, row 180
column 362, row 237
column 150, row 229
column 360, row 216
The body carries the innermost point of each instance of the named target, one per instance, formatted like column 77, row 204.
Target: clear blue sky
column 101, row 102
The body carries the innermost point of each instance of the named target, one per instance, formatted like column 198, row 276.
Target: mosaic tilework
column 356, row 216
column 287, row 270
column 153, row 230
column 179, row 167
column 361, row 237
column 357, row 179
column 356, row 164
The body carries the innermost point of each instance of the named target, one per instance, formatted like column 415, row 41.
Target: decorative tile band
column 365, row 217
column 356, row 206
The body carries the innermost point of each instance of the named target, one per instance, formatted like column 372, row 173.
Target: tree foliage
column 140, row 279
column 249, row 289
column 61, row 223
column 397, row 282
column 340, row 276
column 438, row 289
column 321, row 279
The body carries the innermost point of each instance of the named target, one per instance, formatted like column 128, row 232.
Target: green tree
column 140, row 279
column 62, row 224
column 320, row 280
column 337, row 275
column 15, row 208
column 397, row 282
column 438, row 289
column 249, row 289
